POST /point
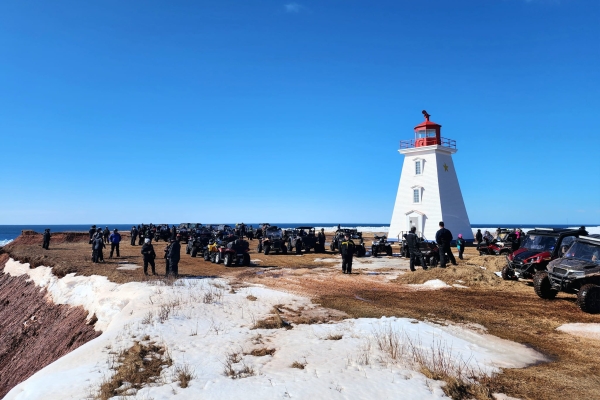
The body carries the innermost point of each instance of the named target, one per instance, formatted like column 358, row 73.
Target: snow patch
column 128, row 267
column 590, row 330
column 430, row 285
column 5, row 242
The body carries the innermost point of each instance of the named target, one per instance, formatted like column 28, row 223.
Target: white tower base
column 439, row 195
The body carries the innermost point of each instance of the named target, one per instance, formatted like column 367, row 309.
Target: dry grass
column 273, row 322
column 334, row 337
column 184, row 374
column 233, row 371
column 261, row 352
column 299, row 365
column 136, row 367
column 251, row 298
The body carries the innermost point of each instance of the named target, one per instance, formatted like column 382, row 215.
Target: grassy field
column 509, row 310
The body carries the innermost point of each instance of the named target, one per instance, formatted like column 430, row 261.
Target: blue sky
column 292, row 111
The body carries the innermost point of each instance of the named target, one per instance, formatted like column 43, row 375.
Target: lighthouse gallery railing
column 408, row 144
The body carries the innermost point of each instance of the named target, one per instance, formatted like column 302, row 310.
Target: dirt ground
column 379, row 287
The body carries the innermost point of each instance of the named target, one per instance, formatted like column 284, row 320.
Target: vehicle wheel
column 246, row 259
column 331, row 246
column 482, row 253
column 542, row 287
column 434, row 262
column 213, row 258
column 388, row 250
column 218, row 258
column 373, row 252
column 267, row 250
column 194, row 251
column 588, row 298
column 227, row 260
column 298, row 249
column 507, row 273
column 259, row 248
column 283, row 250
column 206, row 256
column 289, row 246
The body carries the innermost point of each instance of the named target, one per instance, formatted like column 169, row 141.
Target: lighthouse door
column 414, row 221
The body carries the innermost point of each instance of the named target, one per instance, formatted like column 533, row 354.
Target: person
column 134, row 233
column 412, row 241
column 460, row 245
column 46, row 238
column 114, row 240
column 487, row 237
column 92, row 232
column 106, row 234
column 97, row 246
column 149, row 256
column 173, row 256
column 443, row 238
column 250, row 233
column 321, row 238
column 347, row 251
column 479, row 236
column 173, row 232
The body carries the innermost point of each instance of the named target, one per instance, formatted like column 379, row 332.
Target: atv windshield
column 539, row 243
column 584, row 252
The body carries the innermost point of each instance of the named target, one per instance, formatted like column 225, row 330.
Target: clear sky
column 130, row 111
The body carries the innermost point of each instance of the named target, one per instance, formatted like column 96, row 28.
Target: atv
column 272, row 239
column 381, row 245
column 359, row 243
column 539, row 247
column 183, row 230
column 198, row 242
column 303, row 237
column 576, row 272
column 501, row 245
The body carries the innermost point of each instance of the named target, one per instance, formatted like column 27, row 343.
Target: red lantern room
column 427, row 133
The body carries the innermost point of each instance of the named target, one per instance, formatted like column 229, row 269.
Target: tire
column 434, row 262
column 213, row 258
column 588, row 298
column 227, row 260
column 388, row 250
column 298, row 249
column 259, row 248
column 284, row 250
column 218, row 258
column 331, row 246
column 507, row 274
column 542, row 287
column 267, row 250
column 194, row 251
column 289, row 246
column 361, row 251
column 246, row 260
column 373, row 251
column 206, row 256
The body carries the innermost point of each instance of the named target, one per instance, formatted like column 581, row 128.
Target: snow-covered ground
column 590, row 330
column 208, row 321
column 5, row 242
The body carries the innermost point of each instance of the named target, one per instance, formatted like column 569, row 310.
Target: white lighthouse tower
column 429, row 191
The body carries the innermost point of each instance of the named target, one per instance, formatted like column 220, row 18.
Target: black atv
column 539, row 247
column 359, row 243
column 272, row 240
column 381, row 245
column 198, row 242
column 576, row 272
column 183, row 230
column 303, row 238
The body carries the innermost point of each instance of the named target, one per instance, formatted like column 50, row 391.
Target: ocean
column 10, row 232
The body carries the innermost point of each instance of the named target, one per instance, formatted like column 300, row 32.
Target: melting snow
column 202, row 333
column 430, row 285
column 590, row 331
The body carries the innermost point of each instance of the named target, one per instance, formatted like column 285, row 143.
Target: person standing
column 347, row 251
column 321, row 239
column 166, row 257
column 149, row 256
column 443, row 238
column 141, row 234
column 106, row 234
column 479, row 236
column 97, row 246
column 114, row 239
column 460, row 245
column 173, row 233
column 92, row 232
column 134, row 233
column 412, row 241
column 46, row 238
column 173, row 256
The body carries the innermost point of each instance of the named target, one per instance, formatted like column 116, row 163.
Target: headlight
column 576, row 273
column 535, row 260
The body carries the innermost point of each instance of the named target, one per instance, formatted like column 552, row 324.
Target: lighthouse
column 429, row 191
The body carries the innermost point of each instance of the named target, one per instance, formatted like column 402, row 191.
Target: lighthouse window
column 416, row 196
column 417, row 167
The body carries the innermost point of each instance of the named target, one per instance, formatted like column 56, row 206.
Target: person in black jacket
column 173, row 256
column 134, row 233
column 46, row 237
column 149, row 256
column 97, row 246
column 443, row 238
column 173, row 233
column 92, row 232
column 106, row 234
column 347, row 251
column 479, row 236
column 412, row 241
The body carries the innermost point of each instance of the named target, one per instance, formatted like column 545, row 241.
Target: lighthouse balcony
column 428, row 141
